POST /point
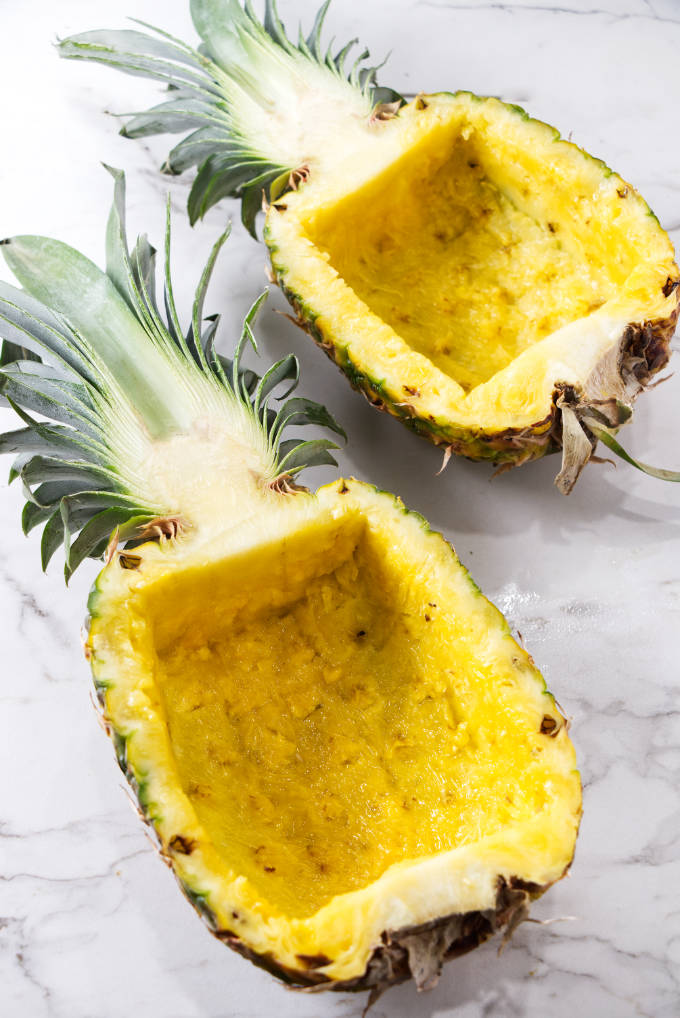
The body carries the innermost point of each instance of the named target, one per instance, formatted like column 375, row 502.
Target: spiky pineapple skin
column 511, row 446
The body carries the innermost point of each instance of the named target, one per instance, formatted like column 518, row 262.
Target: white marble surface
column 92, row 925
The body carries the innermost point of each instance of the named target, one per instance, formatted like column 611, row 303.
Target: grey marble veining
column 91, row 923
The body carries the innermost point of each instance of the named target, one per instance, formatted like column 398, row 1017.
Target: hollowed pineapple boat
column 494, row 287
column 352, row 768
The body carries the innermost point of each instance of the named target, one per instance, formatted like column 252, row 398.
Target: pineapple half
column 350, row 765
column 497, row 289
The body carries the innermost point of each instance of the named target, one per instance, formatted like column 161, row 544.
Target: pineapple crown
column 93, row 354
column 258, row 107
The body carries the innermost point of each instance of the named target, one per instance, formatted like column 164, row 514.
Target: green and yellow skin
column 352, row 768
column 495, row 288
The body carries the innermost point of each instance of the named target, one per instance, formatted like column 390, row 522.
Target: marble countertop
column 91, row 923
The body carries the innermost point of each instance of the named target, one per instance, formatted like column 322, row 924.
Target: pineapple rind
column 472, row 880
column 510, row 445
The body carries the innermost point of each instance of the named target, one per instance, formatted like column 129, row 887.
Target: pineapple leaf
column 272, row 22
column 253, row 197
column 71, row 284
column 299, row 410
column 95, row 535
column 97, row 501
column 249, row 97
column 118, row 267
column 245, row 338
column 287, row 369
column 201, row 145
column 197, row 310
column 208, row 340
column 50, row 494
column 52, row 538
column 143, row 259
column 39, row 468
column 76, row 515
column 28, row 325
column 295, row 456
column 142, row 55
column 46, row 439
column 181, row 113
column 172, row 318
column 43, row 397
column 36, row 369
column 608, row 439
column 12, row 352
column 313, row 41
column 118, row 375
column 133, row 275
column 33, row 515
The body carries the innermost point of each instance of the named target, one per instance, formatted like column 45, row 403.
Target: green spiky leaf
column 608, row 439
column 117, row 376
column 296, row 456
column 242, row 96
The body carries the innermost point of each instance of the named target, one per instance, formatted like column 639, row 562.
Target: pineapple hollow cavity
column 473, row 247
column 330, row 716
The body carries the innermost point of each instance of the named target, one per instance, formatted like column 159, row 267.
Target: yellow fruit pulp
column 332, row 713
column 470, row 261
column 465, row 275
